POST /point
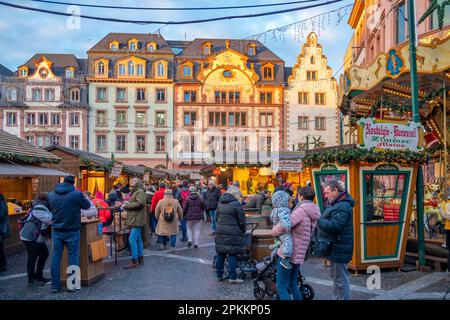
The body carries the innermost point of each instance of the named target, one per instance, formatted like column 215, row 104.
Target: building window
column 131, row 68
column 11, row 119
column 114, row 47
column 49, row 94
column 313, row 60
column 190, row 96
column 74, row 142
column 12, row 95
column 303, row 98
column 160, row 119
column 101, row 94
column 121, row 118
column 43, row 119
column 121, row 143
column 320, row 123
column 221, row 96
column 101, row 143
column 217, row 119
column 400, row 23
column 227, row 74
column 265, row 97
column 121, row 94
column 31, row 119
column 251, row 50
column 141, row 118
column 266, row 119
column 23, row 72
column 311, row 75
column 133, row 46
column 206, row 49
column 140, row 95
column 151, row 47
column 101, row 118
column 55, row 141
column 161, row 70
column 303, row 123
column 122, row 70
column 43, row 141
column 101, row 68
column 140, row 70
column 160, row 95
column 434, row 18
column 268, row 73
column 320, row 99
column 74, row 119
column 233, row 97
column 70, row 73
column 189, row 118
column 140, row 144
column 237, row 119
column 160, row 143
column 29, row 139
column 187, row 71
column 56, row 119
column 36, row 94
column 75, row 95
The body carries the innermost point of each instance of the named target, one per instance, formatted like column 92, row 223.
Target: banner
column 116, row 170
column 287, row 165
column 389, row 135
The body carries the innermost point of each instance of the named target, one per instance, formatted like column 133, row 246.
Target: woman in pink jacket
column 303, row 220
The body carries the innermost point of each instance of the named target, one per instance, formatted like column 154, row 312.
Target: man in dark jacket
column 336, row 224
column 181, row 196
column 212, row 200
column 65, row 205
column 230, row 237
column 256, row 201
column 193, row 213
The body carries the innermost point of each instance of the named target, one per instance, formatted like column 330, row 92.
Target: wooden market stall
column 21, row 171
column 383, row 186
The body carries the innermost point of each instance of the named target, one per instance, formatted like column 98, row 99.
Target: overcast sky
column 24, row 33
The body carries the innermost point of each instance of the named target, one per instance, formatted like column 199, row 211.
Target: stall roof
column 99, row 160
column 21, row 170
column 334, row 148
column 18, row 150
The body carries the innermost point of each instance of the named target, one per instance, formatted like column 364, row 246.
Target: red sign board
column 391, row 212
column 216, row 172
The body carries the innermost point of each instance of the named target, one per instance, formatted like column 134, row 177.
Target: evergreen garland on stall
column 91, row 166
column 26, row 159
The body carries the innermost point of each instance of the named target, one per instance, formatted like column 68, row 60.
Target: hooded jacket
column 136, row 210
column 212, row 198
column 165, row 228
column 336, row 224
column 38, row 220
column 65, row 205
column 158, row 196
column 193, row 207
column 303, row 222
column 231, row 225
column 281, row 212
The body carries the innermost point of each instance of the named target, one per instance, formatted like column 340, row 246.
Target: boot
column 141, row 260
column 133, row 264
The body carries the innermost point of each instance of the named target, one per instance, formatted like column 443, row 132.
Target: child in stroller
column 245, row 263
column 266, row 280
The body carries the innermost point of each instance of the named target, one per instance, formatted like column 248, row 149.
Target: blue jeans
column 287, row 279
column 183, row 225
column 153, row 223
column 212, row 214
column 220, row 265
column 172, row 239
column 136, row 245
column 60, row 239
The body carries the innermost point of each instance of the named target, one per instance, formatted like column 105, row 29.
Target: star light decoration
column 440, row 8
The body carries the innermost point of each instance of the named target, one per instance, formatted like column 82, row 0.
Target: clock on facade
column 43, row 72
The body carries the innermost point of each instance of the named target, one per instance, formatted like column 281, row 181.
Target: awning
column 23, row 170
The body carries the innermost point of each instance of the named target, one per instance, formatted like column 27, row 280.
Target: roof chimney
column 227, row 43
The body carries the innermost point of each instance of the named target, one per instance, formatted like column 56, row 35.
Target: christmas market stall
column 21, row 171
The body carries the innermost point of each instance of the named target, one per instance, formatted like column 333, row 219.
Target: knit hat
column 168, row 192
column 70, row 180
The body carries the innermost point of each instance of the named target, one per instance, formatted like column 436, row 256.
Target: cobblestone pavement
column 186, row 273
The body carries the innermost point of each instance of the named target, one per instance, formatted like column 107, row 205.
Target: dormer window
column 101, row 68
column 161, row 70
column 114, row 46
column 131, row 68
column 313, row 60
column 227, row 74
column 186, row 71
column 160, row 67
column 151, row 47
column 206, row 49
column 132, row 45
column 70, row 72
column 251, row 50
column 23, row 72
column 268, row 72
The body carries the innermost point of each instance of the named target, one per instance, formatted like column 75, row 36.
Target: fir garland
column 26, row 159
column 93, row 167
column 399, row 109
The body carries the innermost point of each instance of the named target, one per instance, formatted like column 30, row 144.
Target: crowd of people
column 182, row 209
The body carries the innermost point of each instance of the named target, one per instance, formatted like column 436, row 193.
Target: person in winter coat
column 281, row 214
column 100, row 203
column 303, row 221
column 4, row 233
column 136, row 213
column 336, row 225
column 33, row 235
column 230, row 236
column 167, row 228
column 182, row 195
column 193, row 213
column 256, row 201
column 92, row 212
column 158, row 196
column 212, row 200
column 65, row 205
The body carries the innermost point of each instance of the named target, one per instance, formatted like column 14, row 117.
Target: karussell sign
column 389, row 135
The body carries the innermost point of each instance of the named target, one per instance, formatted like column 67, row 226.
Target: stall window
column 384, row 195
column 323, row 178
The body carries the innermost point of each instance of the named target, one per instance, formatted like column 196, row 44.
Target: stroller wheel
column 307, row 292
column 259, row 293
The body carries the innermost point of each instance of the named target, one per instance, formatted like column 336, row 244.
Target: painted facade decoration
column 312, row 116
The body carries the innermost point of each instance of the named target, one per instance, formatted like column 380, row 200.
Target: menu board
column 391, row 212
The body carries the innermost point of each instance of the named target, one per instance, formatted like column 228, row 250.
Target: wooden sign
column 98, row 250
column 116, row 170
column 287, row 165
column 389, row 135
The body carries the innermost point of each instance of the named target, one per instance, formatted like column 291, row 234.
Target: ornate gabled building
column 312, row 115
column 45, row 101
column 130, row 80
column 230, row 94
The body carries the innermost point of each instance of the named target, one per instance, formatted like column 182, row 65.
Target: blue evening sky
column 24, row 33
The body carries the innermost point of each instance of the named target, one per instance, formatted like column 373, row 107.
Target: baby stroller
column 245, row 263
column 265, row 281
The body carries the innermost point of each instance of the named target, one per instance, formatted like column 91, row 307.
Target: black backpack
column 169, row 214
